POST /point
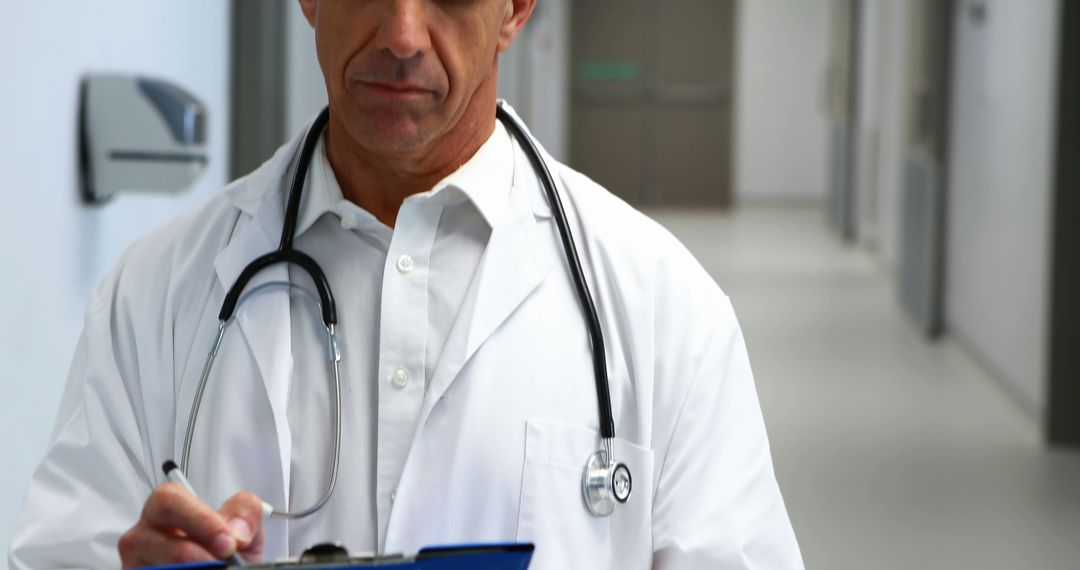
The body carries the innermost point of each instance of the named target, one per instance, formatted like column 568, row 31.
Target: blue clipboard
column 510, row 556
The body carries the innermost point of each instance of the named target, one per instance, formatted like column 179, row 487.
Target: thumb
column 243, row 513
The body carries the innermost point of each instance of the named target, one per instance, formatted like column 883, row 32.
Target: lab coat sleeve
column 717, row 502
column 95, row 476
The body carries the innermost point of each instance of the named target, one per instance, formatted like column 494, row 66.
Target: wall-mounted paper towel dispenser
column 139, row 135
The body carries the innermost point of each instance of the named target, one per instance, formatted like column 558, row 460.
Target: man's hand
column 177, row 527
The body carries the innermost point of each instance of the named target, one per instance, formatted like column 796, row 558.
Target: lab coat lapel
column 264, row 323
column 517, row 259
column 519, row 256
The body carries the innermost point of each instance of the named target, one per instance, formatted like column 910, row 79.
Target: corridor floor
column 892, row 452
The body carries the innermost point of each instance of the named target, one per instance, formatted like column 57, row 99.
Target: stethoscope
column 604, row 482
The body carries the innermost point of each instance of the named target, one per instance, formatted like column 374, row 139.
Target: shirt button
column 393, row 497
column 348, row 221
column 400, row 378
column 405, row 264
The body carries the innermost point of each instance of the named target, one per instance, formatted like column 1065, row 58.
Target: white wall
column 305, row 89
column 534, row 76
column 780, row 126
column 55, row 249
column 1000, row 185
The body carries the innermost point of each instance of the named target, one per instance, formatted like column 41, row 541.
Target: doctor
column 468, row 400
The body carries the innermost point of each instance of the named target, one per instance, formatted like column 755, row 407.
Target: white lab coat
column 505, row 429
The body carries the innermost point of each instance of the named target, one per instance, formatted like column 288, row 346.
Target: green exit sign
column 608, row 70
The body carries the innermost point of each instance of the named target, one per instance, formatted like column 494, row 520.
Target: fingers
column 243, row 513
column 177, row 527
column 146, row 546
column 173, row 507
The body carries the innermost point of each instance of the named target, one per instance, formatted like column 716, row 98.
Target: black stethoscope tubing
column 286, row 254
column 592, row 321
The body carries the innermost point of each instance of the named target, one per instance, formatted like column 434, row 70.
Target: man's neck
column 380, row 183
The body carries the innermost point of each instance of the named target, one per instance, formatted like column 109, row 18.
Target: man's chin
column 389, row 135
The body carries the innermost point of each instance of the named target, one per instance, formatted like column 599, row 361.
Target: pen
column 174, row 474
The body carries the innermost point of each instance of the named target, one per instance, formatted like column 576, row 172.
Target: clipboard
column 508, row 556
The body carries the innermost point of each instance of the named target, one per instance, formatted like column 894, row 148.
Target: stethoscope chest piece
column 605, row 483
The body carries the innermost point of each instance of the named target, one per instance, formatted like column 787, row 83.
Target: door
column 923, row 187
column 651, row 108
column 840, row 107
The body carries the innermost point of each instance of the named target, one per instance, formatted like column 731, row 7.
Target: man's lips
column 397, row 90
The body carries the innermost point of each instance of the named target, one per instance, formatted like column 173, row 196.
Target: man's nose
column 403, row 30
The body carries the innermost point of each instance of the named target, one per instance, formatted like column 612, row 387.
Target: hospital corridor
column 504, row 365
column 898, row 453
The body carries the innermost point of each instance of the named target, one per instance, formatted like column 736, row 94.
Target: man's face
column 401, row 73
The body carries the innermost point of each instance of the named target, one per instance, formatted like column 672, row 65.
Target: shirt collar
column 485, row 180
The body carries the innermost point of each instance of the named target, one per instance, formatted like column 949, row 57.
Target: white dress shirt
column 398, row 294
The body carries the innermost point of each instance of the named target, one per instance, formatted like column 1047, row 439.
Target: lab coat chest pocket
column 553, row 514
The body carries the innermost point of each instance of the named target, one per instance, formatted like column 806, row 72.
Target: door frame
column 257, row 84
column 1063, row 366
column 843, row 111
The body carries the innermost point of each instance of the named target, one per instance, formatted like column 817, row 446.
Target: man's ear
column 517, row 14
column 308, row 7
